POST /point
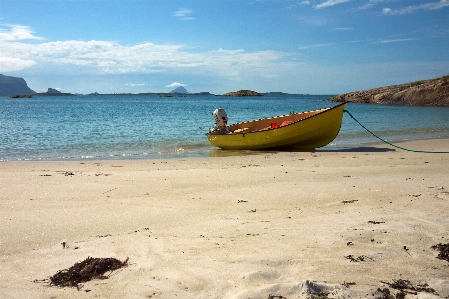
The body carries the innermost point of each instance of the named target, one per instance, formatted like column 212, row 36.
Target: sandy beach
column 324, row 224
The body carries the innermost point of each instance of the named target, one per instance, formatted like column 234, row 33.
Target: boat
column 304, row 130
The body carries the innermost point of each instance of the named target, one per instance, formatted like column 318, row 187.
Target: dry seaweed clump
column 86, row 270
column 404, row 287
column 444, row 251
column 386, row 294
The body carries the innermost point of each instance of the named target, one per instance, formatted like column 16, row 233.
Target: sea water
column 149, row 126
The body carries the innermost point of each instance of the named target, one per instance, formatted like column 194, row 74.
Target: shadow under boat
column 363, row 149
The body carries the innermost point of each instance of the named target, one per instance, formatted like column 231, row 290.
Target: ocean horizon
column 53, row 128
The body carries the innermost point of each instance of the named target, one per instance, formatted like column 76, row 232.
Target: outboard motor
column 221, row 120
column 220, row 116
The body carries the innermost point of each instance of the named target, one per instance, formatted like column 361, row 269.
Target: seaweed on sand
column 444, row 251
column 320, row 295
column 86, row 270
column 361, row 258
column 406, row 287
column 385, row 293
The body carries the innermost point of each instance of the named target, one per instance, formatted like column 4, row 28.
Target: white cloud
column 343, row 28
column 370, row 4
column 294, row 5
column 135, row 84
column 329, row 3
column 184, row 14
column 314, row 46
column 413, row 8
column 175, row 84
column 10, row 64
column 16, row 32
column 105, row 57
column 366, row 6
column 387, row 41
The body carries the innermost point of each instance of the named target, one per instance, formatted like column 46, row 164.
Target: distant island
column 179, row 89
column 160, row 94
column 50, row 92
column 53, row 92
column 243, row 93
column 14, row 86
column 277, row 93
column 21, row 96
column 432, row 92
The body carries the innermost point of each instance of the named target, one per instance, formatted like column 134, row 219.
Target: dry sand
column 267, row 225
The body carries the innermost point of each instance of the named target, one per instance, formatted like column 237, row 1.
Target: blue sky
column 313, row 47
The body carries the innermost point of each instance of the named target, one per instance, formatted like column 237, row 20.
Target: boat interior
column 272, row 122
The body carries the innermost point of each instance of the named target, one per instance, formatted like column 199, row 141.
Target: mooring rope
column 402, row 148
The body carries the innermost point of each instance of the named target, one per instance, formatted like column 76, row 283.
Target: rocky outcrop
column 21, row 96
column 243, row 93
column 14, row 86
column 433, row 92
column 52, row 90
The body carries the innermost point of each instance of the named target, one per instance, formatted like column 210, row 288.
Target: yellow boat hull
column 306, row 130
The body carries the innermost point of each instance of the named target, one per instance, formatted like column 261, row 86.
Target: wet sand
column 279, row 224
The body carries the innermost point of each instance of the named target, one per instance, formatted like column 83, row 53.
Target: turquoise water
column 145, row 127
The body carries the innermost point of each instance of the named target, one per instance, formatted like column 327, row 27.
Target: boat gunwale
column 273, row 117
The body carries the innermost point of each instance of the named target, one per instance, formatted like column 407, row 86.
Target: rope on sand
column 383, row 140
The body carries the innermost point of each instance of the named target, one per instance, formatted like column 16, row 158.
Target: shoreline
column 245, row 226
column 216, row 152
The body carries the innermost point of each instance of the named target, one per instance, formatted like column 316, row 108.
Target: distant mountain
column 13, row 86
column 179, row 89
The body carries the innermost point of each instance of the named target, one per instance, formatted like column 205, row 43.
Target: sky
column 218, row 46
